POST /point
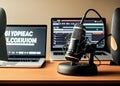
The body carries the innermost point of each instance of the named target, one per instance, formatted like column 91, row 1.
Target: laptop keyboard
column 59, row 53
column 100, row 53
column 23, row 59
column 96, row 53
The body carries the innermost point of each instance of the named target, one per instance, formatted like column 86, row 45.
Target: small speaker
column 3, row 22
column 115, row 39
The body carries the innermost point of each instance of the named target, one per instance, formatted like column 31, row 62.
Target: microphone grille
column 78, row 31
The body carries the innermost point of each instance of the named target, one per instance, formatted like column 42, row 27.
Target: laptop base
column 38, row 64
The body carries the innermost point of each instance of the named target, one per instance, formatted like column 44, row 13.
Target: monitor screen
column 63, row 27
column 26, row 40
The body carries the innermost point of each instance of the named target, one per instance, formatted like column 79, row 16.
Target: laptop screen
column 26, row 41
column 63, row 27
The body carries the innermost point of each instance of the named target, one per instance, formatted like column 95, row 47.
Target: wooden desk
column 49, row 75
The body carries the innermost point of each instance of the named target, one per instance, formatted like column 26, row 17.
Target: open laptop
column 26, row 45
column 61, row 29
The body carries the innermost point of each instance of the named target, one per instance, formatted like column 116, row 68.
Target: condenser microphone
column 77, row 48
column 77, row 43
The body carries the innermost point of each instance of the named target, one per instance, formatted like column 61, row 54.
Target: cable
column 86, row 14
column 103, row 38
column 103, row 24
column 65, row 46
column 98, row 60
column 82, row 21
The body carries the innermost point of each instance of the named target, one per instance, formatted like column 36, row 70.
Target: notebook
column 61, row 29
column 26, row 46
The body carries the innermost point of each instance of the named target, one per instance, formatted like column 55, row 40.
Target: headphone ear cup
column 115, row 39
column 2, row 21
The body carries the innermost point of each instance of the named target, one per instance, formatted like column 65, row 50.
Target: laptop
column 26, row 46
column 61, row 29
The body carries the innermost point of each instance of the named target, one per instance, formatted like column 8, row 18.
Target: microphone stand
column 81, row 68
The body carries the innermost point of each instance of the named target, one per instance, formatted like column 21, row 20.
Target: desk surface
column 49, row 74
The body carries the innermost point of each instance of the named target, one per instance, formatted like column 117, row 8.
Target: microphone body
column 77, row 43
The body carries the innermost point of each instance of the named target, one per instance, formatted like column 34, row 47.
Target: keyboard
column 100, row 53
column 59, row 53
column 96, row 53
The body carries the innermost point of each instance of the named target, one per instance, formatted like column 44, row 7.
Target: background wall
column 41, row 11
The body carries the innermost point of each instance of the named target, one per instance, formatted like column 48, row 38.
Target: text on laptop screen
column 26, row 40
column 62, row 27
